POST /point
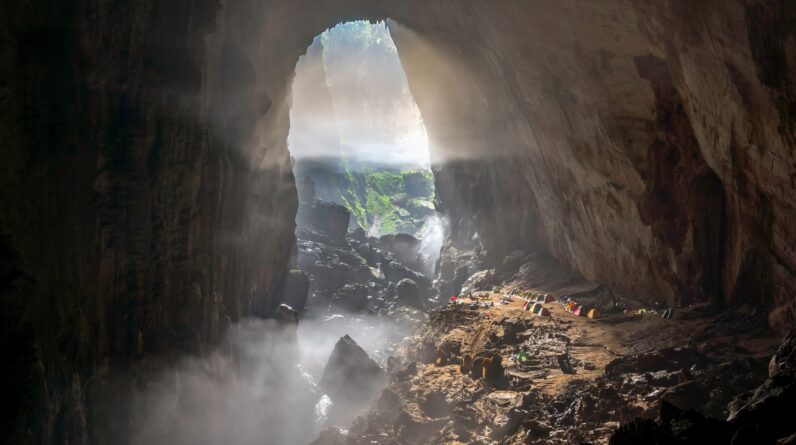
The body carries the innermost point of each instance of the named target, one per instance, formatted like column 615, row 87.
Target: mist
column 260, row 386
column 431, row 239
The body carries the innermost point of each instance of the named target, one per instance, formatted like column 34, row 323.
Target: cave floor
column 582, row 377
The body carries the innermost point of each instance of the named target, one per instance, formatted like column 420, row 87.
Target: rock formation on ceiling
column 148, row 198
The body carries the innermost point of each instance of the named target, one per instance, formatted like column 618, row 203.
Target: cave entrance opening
column 357, row 137
column 360, row 157
column 367, row 231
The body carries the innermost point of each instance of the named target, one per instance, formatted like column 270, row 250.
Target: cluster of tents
column 537, row 309
column 534, row 302
column 574, row 308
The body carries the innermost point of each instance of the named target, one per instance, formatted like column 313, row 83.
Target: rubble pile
column 358, row 273
column 497, row 374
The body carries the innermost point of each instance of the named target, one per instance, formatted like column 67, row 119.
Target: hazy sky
column 351, row 98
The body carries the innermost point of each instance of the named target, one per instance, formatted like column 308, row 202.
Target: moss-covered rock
column 383, row 200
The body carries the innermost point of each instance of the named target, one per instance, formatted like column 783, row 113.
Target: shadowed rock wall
column 148, row 198
column 139, row 206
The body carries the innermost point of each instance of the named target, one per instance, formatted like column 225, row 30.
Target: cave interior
column 600, row 246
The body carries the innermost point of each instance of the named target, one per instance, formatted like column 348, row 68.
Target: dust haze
column 259, row 386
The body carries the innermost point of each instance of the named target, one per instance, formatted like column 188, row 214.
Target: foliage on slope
column 384, row 201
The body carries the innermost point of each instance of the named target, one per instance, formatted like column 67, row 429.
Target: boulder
column 359, row 234
column 408, row 294
column 504, row 425
column 770, row 406
column 389, row 404
column 481, row 280
column 331, row 436
column 784, row 361
column 405, row 248
column 332, row 276
column 286, row 315
column 435, row 405
column 353, row 296
column 287, row 319
column 674, row 426
column 350, row 375
column 329, row 218
column 395, row 272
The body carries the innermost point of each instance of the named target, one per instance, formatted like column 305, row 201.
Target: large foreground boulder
column 351, row 377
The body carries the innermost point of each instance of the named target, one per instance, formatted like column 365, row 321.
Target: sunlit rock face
column 148, row 195
column 650, row 145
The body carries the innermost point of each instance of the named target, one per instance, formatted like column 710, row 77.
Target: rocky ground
column 458, row 379
column 368, row 292
column 354, row 272
column 486, row 370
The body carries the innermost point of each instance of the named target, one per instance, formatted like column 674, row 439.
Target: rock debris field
column 484, row 372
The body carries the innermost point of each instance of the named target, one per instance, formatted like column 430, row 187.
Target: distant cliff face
column 148, row 196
